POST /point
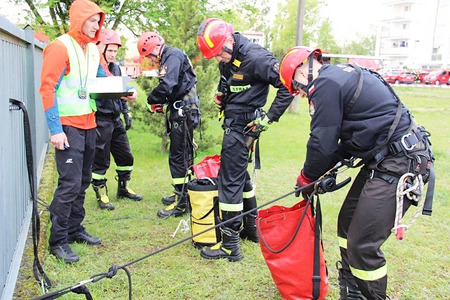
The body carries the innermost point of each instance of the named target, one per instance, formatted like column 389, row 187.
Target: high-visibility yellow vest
column 82, row 68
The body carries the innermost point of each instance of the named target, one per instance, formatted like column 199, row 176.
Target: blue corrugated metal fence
column 20, row 66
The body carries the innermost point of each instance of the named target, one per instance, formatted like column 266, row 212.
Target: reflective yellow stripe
column 206, row 35
column 237, row 63
column 97, row 176
column 369, row 275
column 124, row 168
column 231, row 207
column 83, row 66
column 239, row 88
column 181, row 180
column 342, row 242
column 248, row 194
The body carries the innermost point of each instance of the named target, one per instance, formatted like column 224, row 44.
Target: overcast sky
column 352, row 17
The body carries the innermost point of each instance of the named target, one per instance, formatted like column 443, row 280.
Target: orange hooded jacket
column 56, row 64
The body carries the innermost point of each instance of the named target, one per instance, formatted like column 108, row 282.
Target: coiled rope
column 411, row 186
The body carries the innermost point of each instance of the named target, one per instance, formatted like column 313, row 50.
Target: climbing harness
column 411, row 187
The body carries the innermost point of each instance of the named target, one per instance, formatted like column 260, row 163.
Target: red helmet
column 109, row 36
column 148, row 41
column 294, row 58
column 211, row 36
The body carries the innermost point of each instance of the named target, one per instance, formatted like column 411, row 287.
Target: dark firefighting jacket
column 176, row 77
column 112, row 107
column 246, row 78
column 336, row 134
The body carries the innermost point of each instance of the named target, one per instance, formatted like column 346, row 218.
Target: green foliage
column 283, row 31
column 243, row 15
column 325, row 39
column 364, row 45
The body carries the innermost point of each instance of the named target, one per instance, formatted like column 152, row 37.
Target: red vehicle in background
column 407, row 77
column 437, row 77
column 422, row 74
column 392, row 76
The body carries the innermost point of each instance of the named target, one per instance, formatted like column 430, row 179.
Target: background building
column 415, row 34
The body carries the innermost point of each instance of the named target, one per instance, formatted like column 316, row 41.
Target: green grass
column 418, row 266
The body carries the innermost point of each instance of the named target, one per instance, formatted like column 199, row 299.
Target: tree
column 53, row 17
column 283, row 31
column 179, row 29
column 364, row 45
column 315, row 31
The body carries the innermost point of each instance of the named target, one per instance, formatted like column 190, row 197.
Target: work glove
column 155, row 108
column 218, row 102
column 127, row 118
column 302, row 181
column 259, row 124
column 218, row 98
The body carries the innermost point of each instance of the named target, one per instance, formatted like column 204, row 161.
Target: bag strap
column 355, row 97
column 394, row 124
column 316, row 269
column 260, row 235
column 215, row 202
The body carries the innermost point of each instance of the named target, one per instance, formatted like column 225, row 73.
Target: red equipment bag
column 208, row 167
column 290, row 243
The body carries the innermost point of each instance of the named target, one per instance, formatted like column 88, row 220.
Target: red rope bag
column 290, row 243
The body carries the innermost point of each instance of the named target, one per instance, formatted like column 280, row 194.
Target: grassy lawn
column 419, row 266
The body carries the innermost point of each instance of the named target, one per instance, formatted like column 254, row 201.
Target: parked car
column 407, row 77
column 392, row 77
column 422, row 74
column 437, row 77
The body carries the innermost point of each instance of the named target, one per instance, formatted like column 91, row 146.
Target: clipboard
column 104, row 96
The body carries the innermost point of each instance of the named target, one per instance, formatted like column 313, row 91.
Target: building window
column 436, row 56
column 407, row 8
column 405, row 26
column 404, row 44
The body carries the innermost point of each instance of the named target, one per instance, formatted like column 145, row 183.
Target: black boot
column 228, row 248
column 248, row 232
column 63, row 251
column 176, row 209
column 167, row 200
column 348, row 288
column 125, row 192
column 101, row 192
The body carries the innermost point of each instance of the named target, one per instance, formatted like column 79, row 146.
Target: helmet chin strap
column 227, row 50
column 158, row 56
column 160, row 51
column 310, row 68
column 104, row 53
column 301, row 86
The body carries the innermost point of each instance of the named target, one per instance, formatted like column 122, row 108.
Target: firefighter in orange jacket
column 68, row 63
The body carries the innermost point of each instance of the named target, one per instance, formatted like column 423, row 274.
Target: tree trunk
column 295, row 104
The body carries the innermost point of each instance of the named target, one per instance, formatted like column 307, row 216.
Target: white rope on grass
column 184, row 229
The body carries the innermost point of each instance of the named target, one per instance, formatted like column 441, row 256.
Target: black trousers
column 112, row 140
column 181, row 151
column 74, row 168
column 234, row 178
column 364, row 224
